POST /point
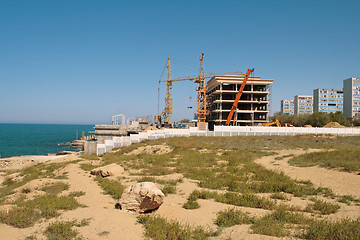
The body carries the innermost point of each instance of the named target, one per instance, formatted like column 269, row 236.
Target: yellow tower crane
column 164, row 118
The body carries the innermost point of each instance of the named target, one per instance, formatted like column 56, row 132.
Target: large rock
column 141, row 197
column 108, row 170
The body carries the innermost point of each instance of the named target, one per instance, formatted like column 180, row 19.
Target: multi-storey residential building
column 351, row 97
column 303, row 104
column 287, row 106
column 327, row 101
column 253, row 107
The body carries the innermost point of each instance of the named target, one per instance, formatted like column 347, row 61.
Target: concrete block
column 100, row 149
column 108, row 148
column 90, row 147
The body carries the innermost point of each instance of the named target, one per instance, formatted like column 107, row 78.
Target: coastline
column 18, row 162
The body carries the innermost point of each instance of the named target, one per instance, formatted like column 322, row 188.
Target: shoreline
column 17, row 162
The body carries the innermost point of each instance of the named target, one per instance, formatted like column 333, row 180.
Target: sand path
column 105, row 221
column 343, row 183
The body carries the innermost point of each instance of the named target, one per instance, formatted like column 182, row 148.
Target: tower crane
column 235, row 104
column 164, row 118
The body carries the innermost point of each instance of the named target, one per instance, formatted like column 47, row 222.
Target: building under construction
column 252, row 108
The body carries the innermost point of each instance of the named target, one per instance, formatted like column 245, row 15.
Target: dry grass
column 343, row 159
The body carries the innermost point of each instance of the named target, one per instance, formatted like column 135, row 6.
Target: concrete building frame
column 253, row 106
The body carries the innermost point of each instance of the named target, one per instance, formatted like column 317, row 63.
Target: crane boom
column 196, row 77
column 234, row 106
column 168, row 110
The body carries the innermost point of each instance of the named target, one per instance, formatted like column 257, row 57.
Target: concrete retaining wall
column 221, row 131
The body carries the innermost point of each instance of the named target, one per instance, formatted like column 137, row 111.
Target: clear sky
column 65, row 61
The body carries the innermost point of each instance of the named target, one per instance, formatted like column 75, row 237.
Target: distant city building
column 328, row 101
column 351, row 97
column 287, row 106
column 303, row 104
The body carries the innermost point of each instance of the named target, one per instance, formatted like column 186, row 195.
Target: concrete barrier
column 221, row 131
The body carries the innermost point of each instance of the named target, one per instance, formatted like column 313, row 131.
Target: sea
column 38, row 139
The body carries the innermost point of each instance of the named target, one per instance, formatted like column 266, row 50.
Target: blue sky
column 84, row 61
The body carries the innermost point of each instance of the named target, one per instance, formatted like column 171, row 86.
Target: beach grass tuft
column 231, row 217
column 111, row 187
column 159, row 228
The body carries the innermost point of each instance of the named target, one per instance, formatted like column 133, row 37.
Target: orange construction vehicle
column 272, row 123
column 234, row 106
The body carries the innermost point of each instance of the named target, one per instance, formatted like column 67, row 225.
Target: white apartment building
column 328, row 101
column 287, row 106
column 351, row 97
column 303, row 104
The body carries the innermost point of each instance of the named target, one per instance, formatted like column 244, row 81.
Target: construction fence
column 222, row 131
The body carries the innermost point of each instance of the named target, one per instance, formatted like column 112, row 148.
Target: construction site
column 228, row 104
column 231, row 98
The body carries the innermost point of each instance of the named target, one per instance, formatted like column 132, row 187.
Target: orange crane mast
column 234, row 106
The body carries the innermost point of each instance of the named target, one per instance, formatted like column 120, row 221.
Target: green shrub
column 20, row 217
column 232, row 217
column 345, row 159
column 161, row 229
column 110, row 187
column 273, row 224
column 168, row 189
column 87, row 166
column 323, row 207
column 55, row 188
column 190, row 204
column 245, row 200
column 49, row 204
column 348, row 199
column 344, row 229
column 61, row 230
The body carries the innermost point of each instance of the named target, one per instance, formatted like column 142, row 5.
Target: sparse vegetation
column 159, row 228
column 338, row 230
column 31, row 173
column 87, row 166
column 278, row 223
column 26, row 213
column 231, row 177
column 348, row 199
column 76, row 194
column 20, row 217
column 280, row 196
column 232, row 217
column 191, row 204
column 103, row 233
column 344, row 159
column 90, row 157
column 61, row 230
column 283, row 156
column 55, row 188
column 110, row 187
column 168, row 189
column 323, row 207
column 245, row 200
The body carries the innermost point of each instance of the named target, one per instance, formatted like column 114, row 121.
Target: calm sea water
column 37, row 139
